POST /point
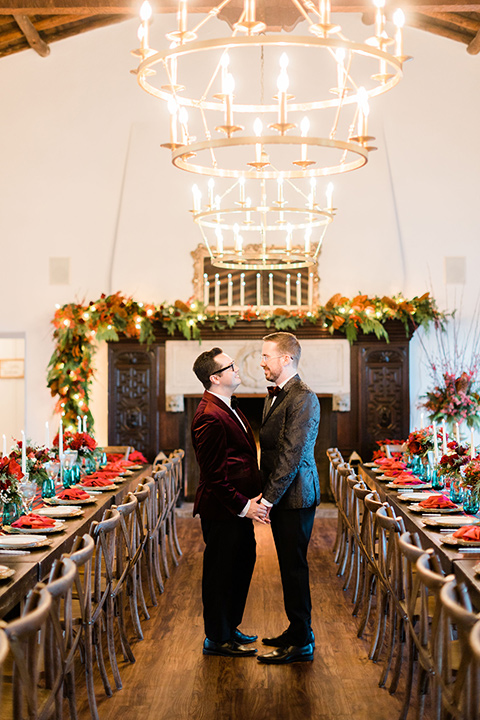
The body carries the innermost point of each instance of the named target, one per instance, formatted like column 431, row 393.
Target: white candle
column 242, row 289
column 457, row 433
column 230, row 290
column 472, row 446
column 217, row 291
column 84, row 424
column 24, row 454
column 299, row 289
column 4, row 445
column 444, row 441
column 79, row 424
column 270, row 290
column 259, row 290
column 421, row 421
column 47, row 435
column 206, row 290
column 288, row 299
column 310, row 290
column 435, row 441
column 60, row 438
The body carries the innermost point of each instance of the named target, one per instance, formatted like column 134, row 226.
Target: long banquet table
column 459, row 561
column 36, row 564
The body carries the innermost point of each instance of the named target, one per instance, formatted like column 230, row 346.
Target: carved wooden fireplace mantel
column 379, row 393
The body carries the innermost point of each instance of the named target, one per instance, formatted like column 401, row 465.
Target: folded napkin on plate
column 105, row 475
column 405, row 478
column 73, row 494
column 390, row 463
column 91, row 481
column 468, row 532
column 112, row 457
column 33, row 521
column 114, row 467
column 137, row 457
column 394, row 472
column 437, row 501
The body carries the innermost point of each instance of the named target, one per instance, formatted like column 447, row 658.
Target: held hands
column 257, row 511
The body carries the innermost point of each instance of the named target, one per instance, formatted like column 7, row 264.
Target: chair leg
column 163, row 545
column 371, row 588
column 175, row 536
column 402, row 632
column 170, row 541
column 350, row 563
column 88, row 653
column 110, row 612
column 100, row 659
column 392, row 636
column 380, row 625
column 410, row 652
column 362, row 585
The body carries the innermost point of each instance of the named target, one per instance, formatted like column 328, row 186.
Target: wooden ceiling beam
column 422, row 22
column 129, row 8
column 474, row 45
column 32, row 36
column 463, row 21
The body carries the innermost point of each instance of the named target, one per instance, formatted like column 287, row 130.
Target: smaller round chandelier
column 255, row 104
column 276, row 226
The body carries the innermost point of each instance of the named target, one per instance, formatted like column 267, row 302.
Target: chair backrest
column 104, row 535
column 4, row 648
column 22, row 635
column 159, row 460
column 389, row 559
column 459, row 678
column 390, row 450
column 124, row 450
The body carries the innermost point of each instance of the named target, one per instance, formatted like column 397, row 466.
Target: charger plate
column 459, row 542
column 58, row 527
column 17, row 542
column 60, row 501
column 98, row 488
column 418, row 509
column 454, row 521
column 422, row 486
column 6, row 572
column 60, row 511
column 413, row 496
column 369, row 464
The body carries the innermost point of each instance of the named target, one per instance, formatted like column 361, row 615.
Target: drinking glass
column 68, row 460
column 28, row 490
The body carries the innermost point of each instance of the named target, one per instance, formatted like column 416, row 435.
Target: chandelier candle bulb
column 310, row 290
column 145, row 15
column 288, row 299
column 182, row 16
column 217, row 292
column 230, row 87
column 399, row 21
column 259, row 293
column 206, row 290
column 230, row 290
column 172, row 108
column 379, row 18
column 242, row 290
column 363, row 110
column 270, row 290
column 242, row 190
column 197, row 199
column 225, row 61
column 299, row 289
column 304, row 126
column 280, row 199
column 257, row 128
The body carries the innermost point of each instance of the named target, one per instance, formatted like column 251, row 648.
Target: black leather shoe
column 282, row 640
column 227, row 649
column 290, row 654
column 243, row 639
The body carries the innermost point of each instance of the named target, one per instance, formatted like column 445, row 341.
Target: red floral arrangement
column 10, row 475
column 452, row 462
column 471, row 474
column 136, row 456
column 377, row 454
column 36, row 457
column 454, row 399
column 84, row 443
column 419, row 442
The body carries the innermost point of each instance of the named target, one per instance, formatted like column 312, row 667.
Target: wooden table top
column 453, row 560
column 37, row 564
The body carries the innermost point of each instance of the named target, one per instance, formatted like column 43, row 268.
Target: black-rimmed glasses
column 227, row 367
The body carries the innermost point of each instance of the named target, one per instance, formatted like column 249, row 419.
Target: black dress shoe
column 290, row 654
column 282, row 640
column 243, row 639
column 227, row 649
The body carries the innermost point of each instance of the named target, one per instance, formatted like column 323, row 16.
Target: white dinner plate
column 21, row 541
column 415, row 496
column 424, row 486
column 369, row 464
column 418, row 509
column 6, row 572
column 60, row 511
column 60, row 501
column 58, row 527
column 99, row 488
column 459, row 542
column 454, row 521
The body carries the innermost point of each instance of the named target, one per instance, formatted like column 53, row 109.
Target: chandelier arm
column 215, row 72
column 340, row 105
column 208, row 135
column 311, row 6
column 207, row 244
column 211, row 13
column 315, row 254
column 300, row 8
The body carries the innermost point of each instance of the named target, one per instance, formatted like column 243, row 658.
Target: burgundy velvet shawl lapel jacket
column 227, row 456
column 287, row 440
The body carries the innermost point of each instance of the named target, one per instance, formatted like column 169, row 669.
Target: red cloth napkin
column 114, row 467
column 91, row 481
column 437, row 501
column 33, row 521
column 388, row 463
column 109, row 475
column 407, row 479
column 73, row 494
column 111, row 457
column 394, row 472
column 137, row 457
column 468, row 532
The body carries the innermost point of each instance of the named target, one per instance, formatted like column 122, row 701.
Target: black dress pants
column 228, row 562
column 292, row 530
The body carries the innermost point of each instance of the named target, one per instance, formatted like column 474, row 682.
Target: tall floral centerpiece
column 83, row 444
column 420, row 442
column 454, row 400
column 471, row 485
column 36, row 458
column 10, row 476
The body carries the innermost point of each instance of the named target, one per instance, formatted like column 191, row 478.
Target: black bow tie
column 273, row 390
column 234, row 402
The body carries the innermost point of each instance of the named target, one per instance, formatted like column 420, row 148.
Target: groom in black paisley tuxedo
column 290, row 488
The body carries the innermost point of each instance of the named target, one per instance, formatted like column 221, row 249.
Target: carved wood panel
column 132, row 397
column 384, row 398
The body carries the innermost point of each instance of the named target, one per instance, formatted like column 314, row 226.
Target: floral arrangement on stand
column 380, row 453
column 420, row 442
column 10, row 476
column 36, row 457
column 455, row 400
column 454, row 460
column 471, row 476
column 78, row 328
column 83, row 443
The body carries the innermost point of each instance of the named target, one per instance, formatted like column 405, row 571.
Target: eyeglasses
column 227, row 367
column 266, row 358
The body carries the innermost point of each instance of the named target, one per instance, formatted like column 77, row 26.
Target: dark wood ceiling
column 36, row 24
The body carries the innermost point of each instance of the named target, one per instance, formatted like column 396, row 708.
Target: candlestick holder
column 228, row 130
column 304, row 163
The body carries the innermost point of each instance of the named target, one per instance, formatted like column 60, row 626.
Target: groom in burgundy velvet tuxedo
column 227, row 501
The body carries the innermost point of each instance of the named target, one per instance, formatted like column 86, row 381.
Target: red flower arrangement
column 84, row 443
column 377, row 454
column 10, row 476
column 419, row 442
column 453, row 461
column 454, row 400
column 471, row 475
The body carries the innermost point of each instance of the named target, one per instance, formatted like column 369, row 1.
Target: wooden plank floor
column 172, row 679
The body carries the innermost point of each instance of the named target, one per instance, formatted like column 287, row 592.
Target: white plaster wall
column 83, row 176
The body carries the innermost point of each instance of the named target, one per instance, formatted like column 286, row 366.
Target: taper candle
column 444, row 441
column 4, row 445
column 47, row 435
column 84, row 428
column 24, row 454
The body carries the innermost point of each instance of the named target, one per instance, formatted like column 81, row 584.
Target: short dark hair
column 287, row 344
column 206, row 365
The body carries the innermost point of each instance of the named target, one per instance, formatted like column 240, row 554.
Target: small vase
column 11, row 512
column 438, row 481
column 48, row 488
column 456, row 492
column 68, row 479
column 471, row 502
